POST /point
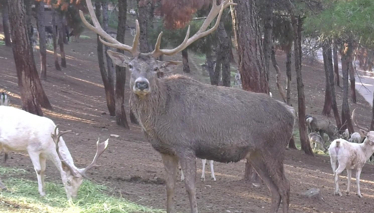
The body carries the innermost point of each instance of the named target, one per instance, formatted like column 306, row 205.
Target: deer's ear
column 119, row 59
column 170, row 64
column 363, row 132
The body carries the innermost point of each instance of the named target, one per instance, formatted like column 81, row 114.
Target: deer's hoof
column 338, row 193
column 359, row 195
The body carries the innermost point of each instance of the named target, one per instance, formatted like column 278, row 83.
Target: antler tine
column 100, row 148
column 56, row 139
column 202, row 32
column 111, row 41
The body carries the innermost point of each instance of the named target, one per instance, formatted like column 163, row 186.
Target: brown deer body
column 183, row 118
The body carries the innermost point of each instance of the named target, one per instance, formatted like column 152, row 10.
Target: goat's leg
column 38, row 170
column 349, row 175
column 337, row 172
column 358, row 174
column 171, row 165
column 188, row 164
column 262, row 169
column 212, row 171
column 203, row 161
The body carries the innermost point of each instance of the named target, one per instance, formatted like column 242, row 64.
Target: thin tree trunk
column 332, row 88
column 186, row 66
column 109, row 89
column 6, row 25
column 289, row 74
column 54, row 36
column 327, row 105
column 268, row 36
column 278, row 75
column 353, row 81
column 61, row 38
column 345, row 58
column 209, row 66
column 121, row 71
column 143, row 13
column 39, row 8
column 297, row 28
column 372, row 116
column 336, row 63
column 223, row 54
column 32, row 93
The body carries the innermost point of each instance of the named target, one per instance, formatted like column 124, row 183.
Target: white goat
column 350, row 156
column 4, row 99
column 21, row 131
column 203, row 171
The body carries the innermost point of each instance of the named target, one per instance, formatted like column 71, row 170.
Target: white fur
column 23, row 132
column 350, row 156
column 203, row 171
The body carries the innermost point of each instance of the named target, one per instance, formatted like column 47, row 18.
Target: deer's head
column 73, row 176
column 144, row 67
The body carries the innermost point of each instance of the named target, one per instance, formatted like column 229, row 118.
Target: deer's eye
column 130, row 66
column 155, row 69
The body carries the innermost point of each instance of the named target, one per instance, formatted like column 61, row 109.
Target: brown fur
column 323, row 127
column 184, row 119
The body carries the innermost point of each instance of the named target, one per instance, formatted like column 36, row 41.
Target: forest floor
column 134, row 170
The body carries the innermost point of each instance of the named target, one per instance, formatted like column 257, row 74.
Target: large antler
column 100, row 148
column 56, row 138
column 356, row 124
column 111, row 42
column 202, row 32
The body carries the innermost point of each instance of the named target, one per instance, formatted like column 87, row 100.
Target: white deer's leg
column 182, row 175
column 349, row 175
column 38, row 170
column 43, row 164
column 203, row 161
column 358, row 174
column 212, row 171
column 339, row 170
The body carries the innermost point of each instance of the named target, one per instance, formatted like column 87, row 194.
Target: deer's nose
column 141, row 85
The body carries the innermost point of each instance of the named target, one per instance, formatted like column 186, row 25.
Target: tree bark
column 121, row 71
column 327, row 105
column 268, row 36
column 346, row 55
column 186, row 65
column 336, row 63
column 109, row 88
column 353, row 81
column 223, row 55
column 297, row 28
column 54, row 36
column 209, row 66
column 32, row 93
column 39, row 8
column 6, row 26
column 372, row 116
column 61, row 38
column 251, row 66
column 289, row 75
column 278, row 75
column 143, row 13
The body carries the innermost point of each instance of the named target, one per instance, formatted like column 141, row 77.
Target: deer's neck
column 65, row 153
column 367, row 150
column 147, row 107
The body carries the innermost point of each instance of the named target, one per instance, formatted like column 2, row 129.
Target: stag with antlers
column 184, row 119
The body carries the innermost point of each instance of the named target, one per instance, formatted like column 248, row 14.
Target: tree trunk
column 32, row 93
column 250, row 52
column 330, row 69
column 39, row 8
column 209, row 66
column 251, row 66
column 186, row 66
column 6, row 25
column 289, row 74
column 278, row 74
column 268, row 36
column 121, row 71
column 372, row 116
column 353, row 81
column 143, row 13
column 327, row 106
column 346, row 54
column 297, row 28
column 336, row 63
column 54, row 36
column 223, row 55
column 61, row 38
column 109, row 88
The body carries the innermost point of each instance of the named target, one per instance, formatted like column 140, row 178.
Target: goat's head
column 73, row 176
column 144, row 67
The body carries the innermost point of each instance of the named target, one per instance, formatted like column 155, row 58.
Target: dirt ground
column 135, row 171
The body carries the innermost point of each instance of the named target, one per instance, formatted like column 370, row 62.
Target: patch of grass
column 2, row 43
column 23, row 196
column 84, row 37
